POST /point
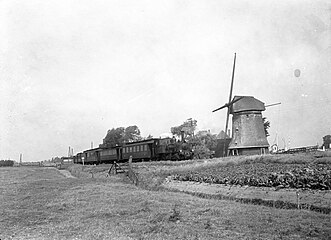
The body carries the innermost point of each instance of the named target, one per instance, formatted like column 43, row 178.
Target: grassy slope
column 41, row 204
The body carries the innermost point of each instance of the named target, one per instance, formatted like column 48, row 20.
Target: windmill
column 248, row 135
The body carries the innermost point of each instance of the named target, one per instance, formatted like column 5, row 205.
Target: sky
column 70, row 70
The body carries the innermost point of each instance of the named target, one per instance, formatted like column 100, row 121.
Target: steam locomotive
column 154, row 149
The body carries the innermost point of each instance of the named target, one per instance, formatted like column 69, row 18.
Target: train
column 154, row 149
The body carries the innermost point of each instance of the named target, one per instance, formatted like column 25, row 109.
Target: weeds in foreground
column 175, row 215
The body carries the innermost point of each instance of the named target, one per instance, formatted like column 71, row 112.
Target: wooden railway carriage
column 108, row 155
column 78, row 158
column 91, row 156
column 141, row 150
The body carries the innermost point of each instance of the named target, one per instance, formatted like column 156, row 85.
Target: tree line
column 6, row 163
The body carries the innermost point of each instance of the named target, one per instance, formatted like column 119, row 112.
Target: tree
column 6, row 163
column 132, row 134
column 204, row 144
column 266, row 125
column 327, row 141
column 187, row 128
column 121, row 135
column 114, row 137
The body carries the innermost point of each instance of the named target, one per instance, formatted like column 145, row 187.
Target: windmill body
column 248, row 135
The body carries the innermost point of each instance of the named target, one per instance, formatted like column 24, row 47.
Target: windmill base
column 248, row 151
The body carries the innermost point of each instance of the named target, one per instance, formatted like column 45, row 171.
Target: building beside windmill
column 223, row 140
column 248, row 135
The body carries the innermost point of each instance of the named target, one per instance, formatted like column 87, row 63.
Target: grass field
column 41, row 203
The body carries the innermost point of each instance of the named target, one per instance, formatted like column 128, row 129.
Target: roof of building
column 222, row 135
column 246, row 103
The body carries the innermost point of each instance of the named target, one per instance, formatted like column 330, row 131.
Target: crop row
column 307, row 176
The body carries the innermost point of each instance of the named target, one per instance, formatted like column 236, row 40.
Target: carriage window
column 145, row 147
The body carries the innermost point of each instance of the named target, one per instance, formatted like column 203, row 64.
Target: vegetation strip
column 257, row 201
column 299, row 176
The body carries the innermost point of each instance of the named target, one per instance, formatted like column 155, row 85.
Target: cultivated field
column 43, row 203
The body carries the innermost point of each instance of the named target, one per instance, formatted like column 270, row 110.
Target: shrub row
column 6, row 163
column 307, row 176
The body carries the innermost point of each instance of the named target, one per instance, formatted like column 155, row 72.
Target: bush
column 6, row 163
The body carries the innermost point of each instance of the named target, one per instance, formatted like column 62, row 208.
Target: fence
column 131, row 174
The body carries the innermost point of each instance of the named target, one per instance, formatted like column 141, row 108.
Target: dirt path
column 308, row 197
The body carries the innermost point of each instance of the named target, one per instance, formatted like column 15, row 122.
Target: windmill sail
column 228, row 104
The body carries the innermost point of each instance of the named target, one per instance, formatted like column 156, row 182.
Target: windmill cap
column 246, row 103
